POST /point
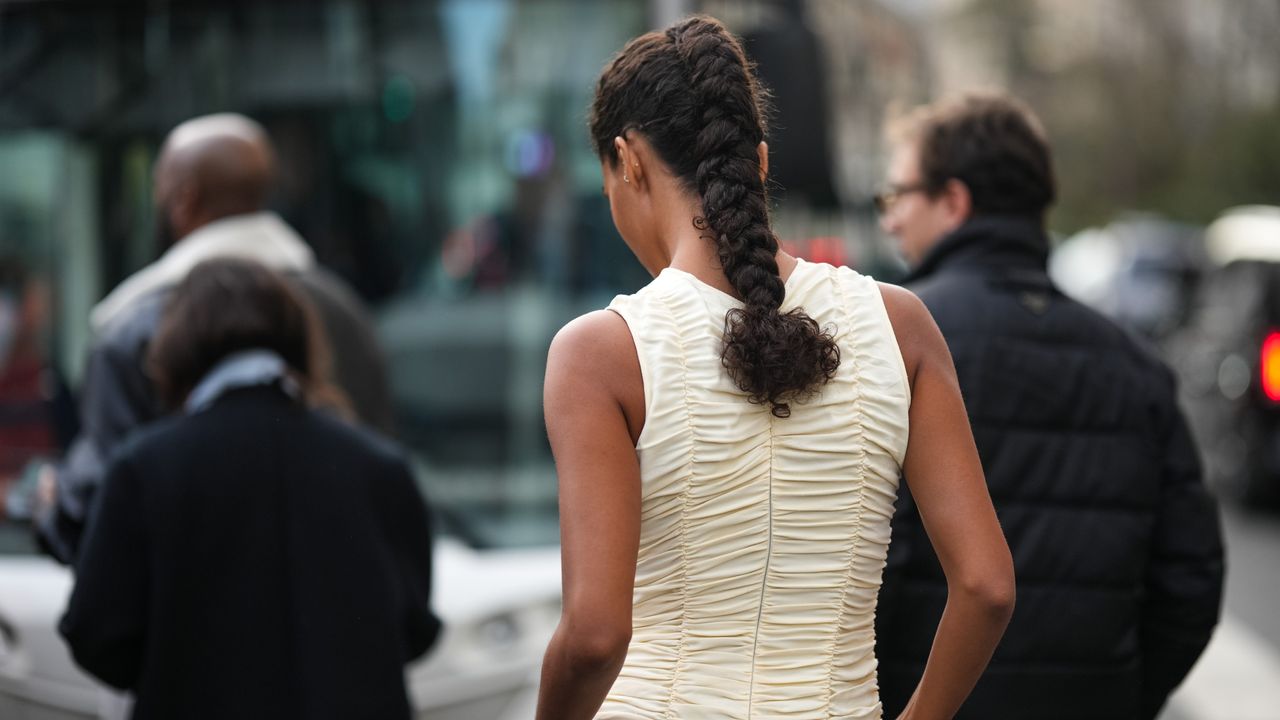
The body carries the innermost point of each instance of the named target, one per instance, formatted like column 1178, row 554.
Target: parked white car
column 499, row 608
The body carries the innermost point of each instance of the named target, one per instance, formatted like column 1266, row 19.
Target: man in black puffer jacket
column 1116, row 543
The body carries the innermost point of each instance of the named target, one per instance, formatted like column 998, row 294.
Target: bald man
column 211, row 184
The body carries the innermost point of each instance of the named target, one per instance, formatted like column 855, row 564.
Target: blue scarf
column 246, row 368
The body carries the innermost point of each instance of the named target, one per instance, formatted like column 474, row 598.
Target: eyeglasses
column 886, row 198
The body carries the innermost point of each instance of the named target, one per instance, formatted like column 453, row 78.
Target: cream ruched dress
column 762, row 539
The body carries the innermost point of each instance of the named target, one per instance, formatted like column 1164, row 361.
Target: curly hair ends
column 692, row 92
column 776, row 357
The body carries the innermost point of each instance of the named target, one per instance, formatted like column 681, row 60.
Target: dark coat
column 1115, row 541
column 255, row 560
column 117, row 397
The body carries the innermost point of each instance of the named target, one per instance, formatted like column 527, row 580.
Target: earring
column 625, row 179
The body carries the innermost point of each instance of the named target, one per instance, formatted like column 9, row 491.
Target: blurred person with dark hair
column 212, row 180
column 1086, row 453
column 37, row 413
column 252, row 557
column 728, row 440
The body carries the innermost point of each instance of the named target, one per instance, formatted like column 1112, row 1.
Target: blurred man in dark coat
column 1115, row 541
column 212, row 180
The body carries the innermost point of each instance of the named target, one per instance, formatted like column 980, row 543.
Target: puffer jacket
column 1116, row 543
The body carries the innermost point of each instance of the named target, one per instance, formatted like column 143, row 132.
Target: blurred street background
column 434, row 154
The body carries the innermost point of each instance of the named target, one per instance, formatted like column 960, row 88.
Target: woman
column 252, row 557
column 728, row 440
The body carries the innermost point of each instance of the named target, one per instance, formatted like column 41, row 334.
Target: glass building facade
column 434, row 154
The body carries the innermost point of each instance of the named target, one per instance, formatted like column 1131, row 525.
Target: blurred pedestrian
column 1086, row 453
column 211, row 185
column 729, row 439
column 37, row 413
column 252, row 557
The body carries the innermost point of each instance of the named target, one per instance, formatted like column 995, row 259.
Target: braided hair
column 692, row 93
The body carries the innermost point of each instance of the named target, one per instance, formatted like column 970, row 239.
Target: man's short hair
column 991, row 142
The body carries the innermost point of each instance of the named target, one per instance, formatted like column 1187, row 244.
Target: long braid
column 692, row 92
column 728, row 178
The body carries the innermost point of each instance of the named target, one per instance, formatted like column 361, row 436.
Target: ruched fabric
column 762, row 539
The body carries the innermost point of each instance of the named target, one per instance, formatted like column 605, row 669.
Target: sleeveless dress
column 762, row 539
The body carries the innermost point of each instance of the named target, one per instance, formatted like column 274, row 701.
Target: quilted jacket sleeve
column 1184, row 580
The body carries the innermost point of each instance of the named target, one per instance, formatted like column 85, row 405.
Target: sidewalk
column 1237, row 678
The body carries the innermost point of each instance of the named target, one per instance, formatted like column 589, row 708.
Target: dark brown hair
column 991, row 142
column 228, row 305
column 691, row 91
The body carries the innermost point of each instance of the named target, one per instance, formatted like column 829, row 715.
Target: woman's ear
column 621, row 150
column 633, row 157
column 763, row 150
column 626, row 157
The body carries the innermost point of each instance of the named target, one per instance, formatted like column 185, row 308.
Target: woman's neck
column 691, row 245
column 694, row 252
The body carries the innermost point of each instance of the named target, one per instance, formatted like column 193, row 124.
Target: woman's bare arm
column 593, row 386
column 946, row 480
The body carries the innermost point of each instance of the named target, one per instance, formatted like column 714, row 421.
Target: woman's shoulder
column 818, row 282
column 661, row 289
column 255, row 413
column 917, row 334
column 162, row 435
column 594, row 342
column 595, row 353
column 331, row 430
column 903, row 306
